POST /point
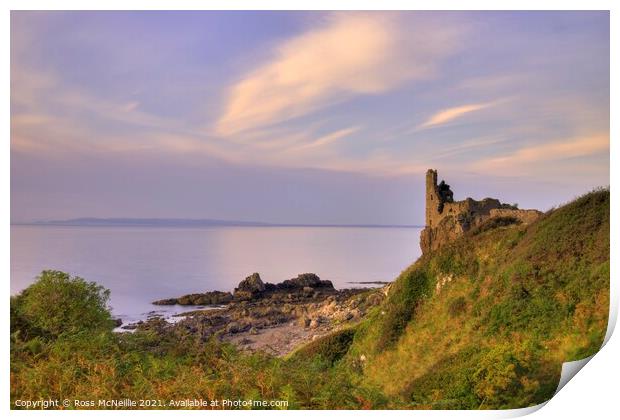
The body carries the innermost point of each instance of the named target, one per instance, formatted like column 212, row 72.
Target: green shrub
column 58, row 303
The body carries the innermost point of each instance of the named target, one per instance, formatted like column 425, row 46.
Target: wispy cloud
column 446, row 115
column 466, row 147
column 330, row 138
column 523, row 159
column 349, row 54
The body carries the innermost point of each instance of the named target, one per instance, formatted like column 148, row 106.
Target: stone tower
column 431, row 196
column 436, row 198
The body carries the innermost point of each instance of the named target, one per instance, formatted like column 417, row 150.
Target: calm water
column 143, row 264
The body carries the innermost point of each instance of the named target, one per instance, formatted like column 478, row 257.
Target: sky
column 303, row 117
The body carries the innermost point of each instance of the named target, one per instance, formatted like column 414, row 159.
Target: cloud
column 331, row 137
column 523, row 158
column 348, row 54
column 465, row 147
column 340, row 56
column 450, row 114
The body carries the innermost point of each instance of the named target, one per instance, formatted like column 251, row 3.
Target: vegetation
column 58, row 304
column 485, row 322
column 496, row 222
column 330, row 348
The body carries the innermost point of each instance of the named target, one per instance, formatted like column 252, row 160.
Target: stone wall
column 469, row 206
column 524, row 216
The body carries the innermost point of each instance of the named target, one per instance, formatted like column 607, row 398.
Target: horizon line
column 191, row 222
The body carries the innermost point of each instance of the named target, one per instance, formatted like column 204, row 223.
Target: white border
column 593, row 393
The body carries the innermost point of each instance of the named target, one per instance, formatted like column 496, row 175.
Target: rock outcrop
column 446, row 219
column 253, row 288
column 303, row 281
column 304, row 285
column 250, row 288
column 208, row 298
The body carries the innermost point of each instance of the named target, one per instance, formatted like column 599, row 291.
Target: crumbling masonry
column 447, row 219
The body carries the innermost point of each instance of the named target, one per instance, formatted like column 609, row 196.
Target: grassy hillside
column 483, row 323
column 488, row 321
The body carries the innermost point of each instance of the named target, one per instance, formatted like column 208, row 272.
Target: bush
column 57, row 304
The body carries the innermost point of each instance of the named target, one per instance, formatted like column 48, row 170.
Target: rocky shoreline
column 275, row 318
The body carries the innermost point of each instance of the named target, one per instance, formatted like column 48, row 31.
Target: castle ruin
column 447, row 219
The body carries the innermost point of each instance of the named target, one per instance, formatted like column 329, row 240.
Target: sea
column 142, row 264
